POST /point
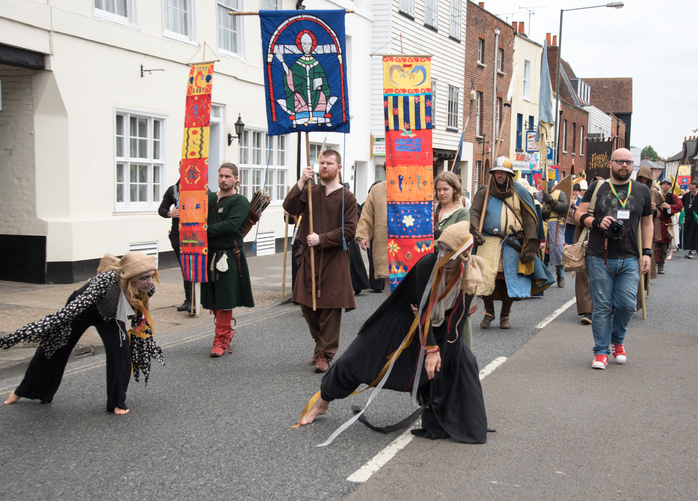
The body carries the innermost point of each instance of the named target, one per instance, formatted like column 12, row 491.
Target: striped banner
column 407, row 104
column 193, row 200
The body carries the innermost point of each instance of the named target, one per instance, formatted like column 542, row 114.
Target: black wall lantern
column 239, row 129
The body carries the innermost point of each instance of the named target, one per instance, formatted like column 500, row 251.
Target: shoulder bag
column 574, row 256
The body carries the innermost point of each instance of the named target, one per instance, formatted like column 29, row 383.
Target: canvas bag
column 574, row 256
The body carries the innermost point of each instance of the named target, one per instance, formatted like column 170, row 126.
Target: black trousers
column 44, row 375
column 174, row 241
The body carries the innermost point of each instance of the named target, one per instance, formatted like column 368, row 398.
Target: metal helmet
column 502, row 163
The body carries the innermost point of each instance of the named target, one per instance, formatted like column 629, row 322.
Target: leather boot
column 504, row 315
column 186, row 305
column 222, row 327
column 322, row 363
column 231, row 332
column 660, row 269
column 489, row 312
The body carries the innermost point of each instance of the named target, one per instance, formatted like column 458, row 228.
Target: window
column 230, row 33
column 527, row 80
column 269, row 4
column 480, row 51
column 500, row 60
column 476, row 175
column 452, row 107
column 407, row 7
column 178, row 19
column 433, row 103
column 564, row 136
column 140, row 151
column 253, row 155
column 581, row 140
column 531, row 123
column 455, row 19
column 315, row 151
column 574, row 137
column 499, row 115
column 519, row 132
column 118, row 11
column 478, row 114
column 431, row 14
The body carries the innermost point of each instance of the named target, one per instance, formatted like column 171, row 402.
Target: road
column 220, row 428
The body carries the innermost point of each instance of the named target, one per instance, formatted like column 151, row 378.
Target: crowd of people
column 500, row 246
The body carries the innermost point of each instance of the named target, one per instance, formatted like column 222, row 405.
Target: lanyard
column 627, row 197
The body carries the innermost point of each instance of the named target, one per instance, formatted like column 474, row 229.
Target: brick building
column 614, row 95
column 573, row 123
column 483, row 105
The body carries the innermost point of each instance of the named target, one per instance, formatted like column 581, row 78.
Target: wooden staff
column 501, row 126
column 453, row 167
column 643, row 277
column 484, row 205
column 310, row 222
column 283, row 273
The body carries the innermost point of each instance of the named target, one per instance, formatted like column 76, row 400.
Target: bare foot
column 119, row 411
column 12, row 398
column 319, row 409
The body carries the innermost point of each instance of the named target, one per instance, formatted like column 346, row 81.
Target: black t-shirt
column 639, row 204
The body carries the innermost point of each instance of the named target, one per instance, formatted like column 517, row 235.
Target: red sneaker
column 600, row 362
column 619, row 353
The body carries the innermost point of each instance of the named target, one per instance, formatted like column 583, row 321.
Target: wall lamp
column 239, row 129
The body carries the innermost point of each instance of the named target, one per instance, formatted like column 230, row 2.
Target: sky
column 652, row 41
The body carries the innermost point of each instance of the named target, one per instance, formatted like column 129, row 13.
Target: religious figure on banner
column 305, row 71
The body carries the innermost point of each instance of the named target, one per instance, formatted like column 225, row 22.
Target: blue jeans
column 617, row 287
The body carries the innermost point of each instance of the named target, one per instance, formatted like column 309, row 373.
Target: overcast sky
column 652, row 41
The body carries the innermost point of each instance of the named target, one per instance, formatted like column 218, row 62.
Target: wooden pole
column 643, row 277
column 501, row 126
column 310, row 223
column 283, row 272
column 453, row 167
column 484, row 205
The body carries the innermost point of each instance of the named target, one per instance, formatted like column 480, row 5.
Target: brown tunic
column 332, row 275
column 373, row 224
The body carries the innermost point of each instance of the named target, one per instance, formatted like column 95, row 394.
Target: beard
column 328, row 176
column 622, row 174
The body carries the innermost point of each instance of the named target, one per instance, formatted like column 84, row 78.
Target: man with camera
column 622, row 205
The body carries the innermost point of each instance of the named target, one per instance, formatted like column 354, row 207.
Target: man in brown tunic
column 334, row 224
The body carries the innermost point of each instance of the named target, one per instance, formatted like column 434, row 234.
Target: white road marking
column 556, row 313
column 380, row 459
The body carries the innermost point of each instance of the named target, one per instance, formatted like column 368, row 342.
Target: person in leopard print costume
column 115, row 302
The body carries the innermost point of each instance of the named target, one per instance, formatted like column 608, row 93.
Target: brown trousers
column 324, row 326
column 581, row 289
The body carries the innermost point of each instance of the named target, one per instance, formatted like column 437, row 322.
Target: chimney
column 481, row 4
column 515, row 24
column 555, row 40
column 521, row 28
column 547, row 39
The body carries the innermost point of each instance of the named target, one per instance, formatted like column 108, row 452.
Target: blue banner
column 305, row 72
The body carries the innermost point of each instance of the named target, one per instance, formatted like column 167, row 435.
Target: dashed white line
column 556, row 313
column 380, row 459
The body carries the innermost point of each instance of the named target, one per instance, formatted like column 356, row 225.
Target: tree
column 648, row 152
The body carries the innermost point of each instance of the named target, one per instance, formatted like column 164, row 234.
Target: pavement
column 22, row 303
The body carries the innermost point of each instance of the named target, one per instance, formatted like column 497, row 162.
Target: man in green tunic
column 228, row 283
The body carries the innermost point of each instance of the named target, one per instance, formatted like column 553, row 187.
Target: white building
column 93, row 95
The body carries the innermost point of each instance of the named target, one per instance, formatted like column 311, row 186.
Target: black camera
column 616, row 231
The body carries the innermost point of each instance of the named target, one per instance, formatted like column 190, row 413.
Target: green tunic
column 226, row 225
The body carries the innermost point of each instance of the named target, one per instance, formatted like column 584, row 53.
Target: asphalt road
column 220, row 428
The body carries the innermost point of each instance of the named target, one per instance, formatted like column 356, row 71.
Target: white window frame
column 407, row 7
column 452, row 121
column 456, row 10
column 431, row 13
column 127, row 155
column 500, row 60
column 527, row 80
column 269, row 4
column 478, row 114
column 222, row 9
column 481, row 51
column 189, row 23
column 106, row 11
column 253, row 154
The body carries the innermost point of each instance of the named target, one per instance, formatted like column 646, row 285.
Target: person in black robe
column 357, row 268
column 449, row 384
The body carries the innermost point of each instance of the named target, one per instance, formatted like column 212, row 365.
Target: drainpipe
column 494, row 107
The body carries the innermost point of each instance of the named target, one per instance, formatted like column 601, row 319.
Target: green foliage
column 649, row 152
